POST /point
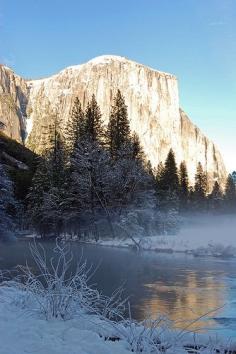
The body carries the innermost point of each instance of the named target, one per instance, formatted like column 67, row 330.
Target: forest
column 94, row 181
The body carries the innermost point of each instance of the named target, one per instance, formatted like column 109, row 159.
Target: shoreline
column 167, row 244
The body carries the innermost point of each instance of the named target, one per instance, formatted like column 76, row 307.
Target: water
column 181, row 286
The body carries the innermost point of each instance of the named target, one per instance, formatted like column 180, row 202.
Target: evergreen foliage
column 216, row 199
column 118, row 130
column 200, row 189
column 93, row 124
column 230, row 195
column 7, row 205
column 168, row 183
column 75, row 128
column 183, row 186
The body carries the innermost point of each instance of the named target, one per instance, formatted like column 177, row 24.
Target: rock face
column 153, row 107
column 13, row 103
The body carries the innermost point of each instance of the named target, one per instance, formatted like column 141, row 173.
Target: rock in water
column 153, row 106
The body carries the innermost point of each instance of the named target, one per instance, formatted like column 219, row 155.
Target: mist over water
column 179, row 285
column 216, row 233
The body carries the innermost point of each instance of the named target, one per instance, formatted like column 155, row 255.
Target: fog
column 216, row 233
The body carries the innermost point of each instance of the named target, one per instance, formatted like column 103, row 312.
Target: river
column 180, row 286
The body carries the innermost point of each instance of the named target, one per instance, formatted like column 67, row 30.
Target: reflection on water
column 178, row 285
column 183, row 303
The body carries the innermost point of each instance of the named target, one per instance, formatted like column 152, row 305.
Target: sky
column 193, row 39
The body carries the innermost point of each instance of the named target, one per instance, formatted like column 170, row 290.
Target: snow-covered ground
column 23, row 330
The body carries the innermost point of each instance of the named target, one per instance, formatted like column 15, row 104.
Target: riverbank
column 200, row 237
column 24, row 330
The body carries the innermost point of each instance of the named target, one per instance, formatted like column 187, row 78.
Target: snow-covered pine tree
column 233, row 174
column 88, row 193
column 84, row 195
column 118, row 130
column 7, row 205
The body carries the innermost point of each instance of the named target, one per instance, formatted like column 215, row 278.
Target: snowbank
column 24, row 331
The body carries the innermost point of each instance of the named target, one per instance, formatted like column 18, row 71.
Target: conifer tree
column 159, row 172
column 230, row 194
column 183, row 186
column 170, row 175
column 93, row 125
column 168, row 184
column 75, row 129
column 233, row 174
column 200, row 189
column 216, row 198
column 118, row 130
column 136, row 148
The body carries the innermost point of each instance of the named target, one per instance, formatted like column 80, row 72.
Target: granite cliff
column 151, row 96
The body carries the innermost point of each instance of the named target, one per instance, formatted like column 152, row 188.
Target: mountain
column 152, row 98
column 13, row 102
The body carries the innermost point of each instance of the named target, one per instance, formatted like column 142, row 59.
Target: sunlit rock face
column 152, row 99
column 13, row 102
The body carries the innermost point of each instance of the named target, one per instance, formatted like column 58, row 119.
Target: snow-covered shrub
column 149, row 336
column 168, row 223
column 59, row 292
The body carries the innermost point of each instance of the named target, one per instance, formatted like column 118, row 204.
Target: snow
column 23, row 331
column 29, row 125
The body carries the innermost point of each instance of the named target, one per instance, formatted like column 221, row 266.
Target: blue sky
column 193, row 39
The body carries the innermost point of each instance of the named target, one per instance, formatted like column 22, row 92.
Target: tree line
column 175, row 191
column 94, row 179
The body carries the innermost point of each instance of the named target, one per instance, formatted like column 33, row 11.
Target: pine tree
column 118, row 130
column 75, row 129
column 159, row 172
column 233, row 174
column 230, row 194
column 93, row 125
column 183, row 186
column 200, row 189
column 136, row 148
column 170, row 175
column 168, row 184
column 216, row 198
